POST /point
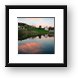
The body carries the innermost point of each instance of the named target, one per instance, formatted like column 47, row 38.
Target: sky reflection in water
column 31, row 47
column 37, row 45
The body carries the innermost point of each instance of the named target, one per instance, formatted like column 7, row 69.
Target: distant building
column 18, row 27
column 50, row 30
column 21, row 27
column 46, row 28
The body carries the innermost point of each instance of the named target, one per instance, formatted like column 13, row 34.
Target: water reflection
column 41, row 44
column 39, row 36
column 31, row 47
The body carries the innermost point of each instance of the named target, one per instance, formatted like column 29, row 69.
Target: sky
column 44, row 22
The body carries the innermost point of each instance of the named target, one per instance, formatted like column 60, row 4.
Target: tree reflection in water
column 40, row 44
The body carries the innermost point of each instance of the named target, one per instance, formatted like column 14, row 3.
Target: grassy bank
column 24, row 33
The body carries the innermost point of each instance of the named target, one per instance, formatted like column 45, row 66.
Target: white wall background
column 71, row 71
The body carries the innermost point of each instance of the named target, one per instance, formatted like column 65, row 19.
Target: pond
column 42, row 44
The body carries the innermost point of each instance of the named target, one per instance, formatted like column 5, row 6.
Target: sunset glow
column 44, row 22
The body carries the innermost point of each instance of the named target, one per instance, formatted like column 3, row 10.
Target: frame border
column 64, row 41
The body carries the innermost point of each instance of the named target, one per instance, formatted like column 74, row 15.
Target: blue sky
column 38, row 21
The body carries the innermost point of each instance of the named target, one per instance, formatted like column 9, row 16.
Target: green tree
column 40, row 26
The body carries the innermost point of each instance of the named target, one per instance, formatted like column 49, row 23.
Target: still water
column 43, row 44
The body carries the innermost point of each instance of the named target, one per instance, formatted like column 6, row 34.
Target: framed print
column 36, row 36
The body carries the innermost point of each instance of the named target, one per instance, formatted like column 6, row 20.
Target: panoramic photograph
column 36, row 35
